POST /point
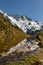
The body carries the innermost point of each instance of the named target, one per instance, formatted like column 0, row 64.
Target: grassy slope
column 39, row 37
column 32, row 59
column 26, row 60
column 39, row 55
column 9, row 35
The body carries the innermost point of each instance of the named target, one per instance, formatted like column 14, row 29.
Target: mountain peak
column 23, row 17
column 26, row 24
column 4, row 14
column 1, row 11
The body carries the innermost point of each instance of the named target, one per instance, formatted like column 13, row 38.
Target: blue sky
column 31, row 8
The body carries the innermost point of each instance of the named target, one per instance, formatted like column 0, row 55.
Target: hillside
column 32, row 59
column 39, row 37
column 9, row 35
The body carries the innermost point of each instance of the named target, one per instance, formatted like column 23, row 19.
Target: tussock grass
column 9, row 35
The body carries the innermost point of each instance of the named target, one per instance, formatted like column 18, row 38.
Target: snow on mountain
column 3, row 13
column 24, row 23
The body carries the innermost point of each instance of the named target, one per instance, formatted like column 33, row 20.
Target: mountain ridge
column 26, row 24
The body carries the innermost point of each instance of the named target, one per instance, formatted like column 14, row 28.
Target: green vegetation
column 26, row 60
column 11, row 63
column 32, row 59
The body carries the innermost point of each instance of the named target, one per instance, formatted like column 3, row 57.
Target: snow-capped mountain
column 27, row 25
column 24, row 23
